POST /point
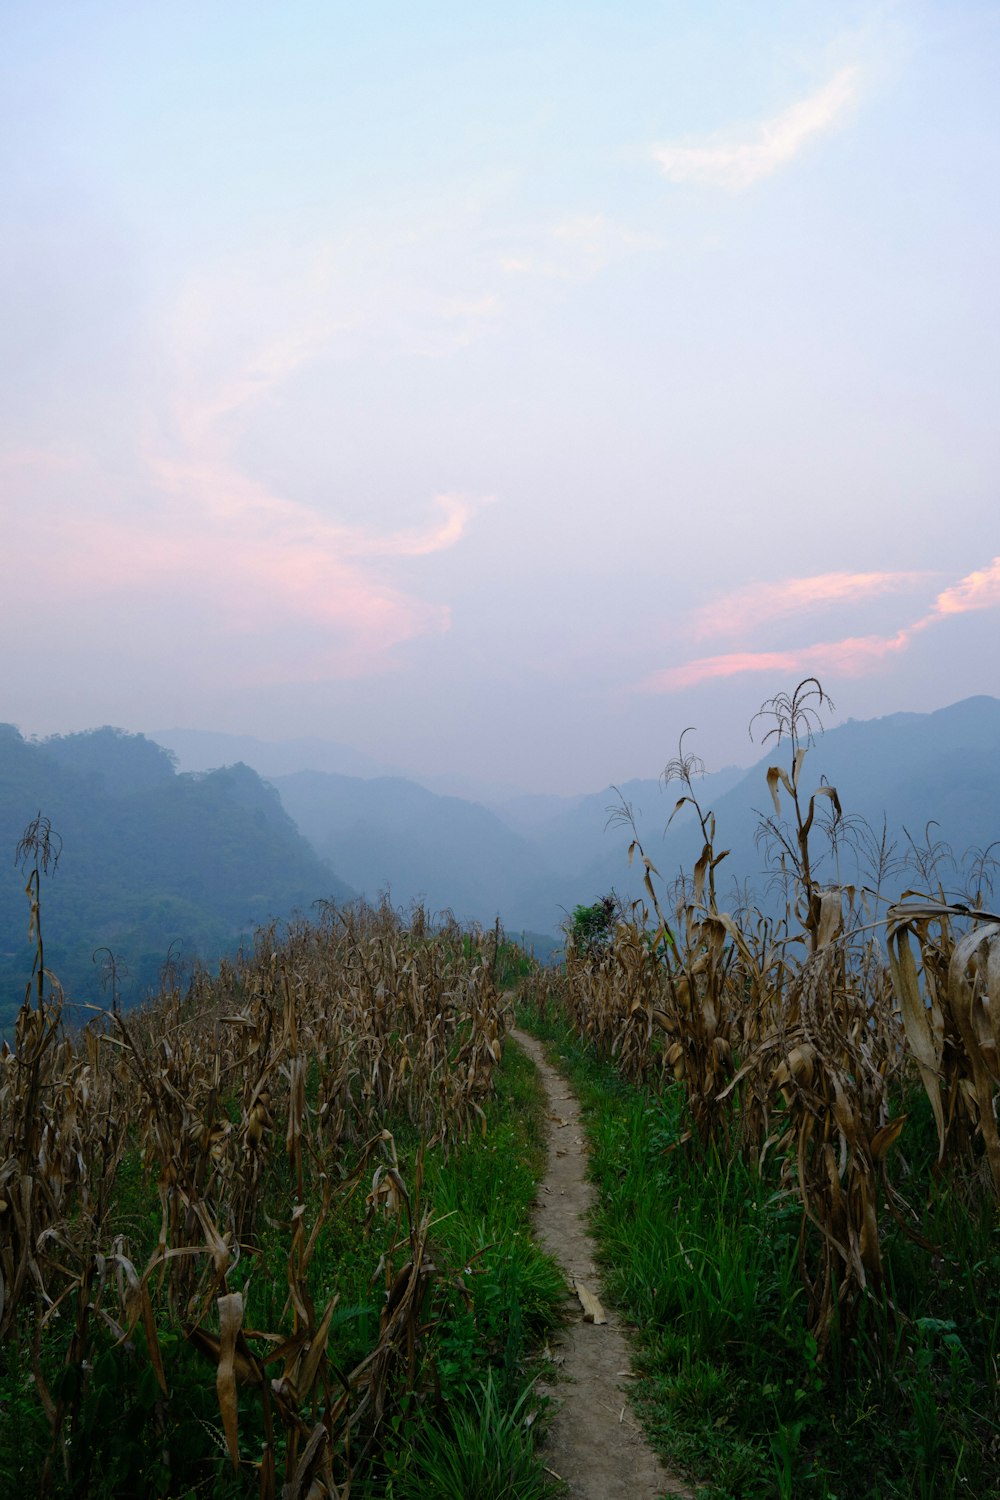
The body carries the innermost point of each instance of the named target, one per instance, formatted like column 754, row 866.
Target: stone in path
column 594, row 1442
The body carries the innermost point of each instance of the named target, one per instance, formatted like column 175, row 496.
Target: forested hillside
column 153, row 863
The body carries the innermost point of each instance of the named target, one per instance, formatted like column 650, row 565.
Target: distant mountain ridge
column 396, row 835
column 907, row 770
column 206, row 750
column 152, row 854
column 533, row 859
column 151, row 860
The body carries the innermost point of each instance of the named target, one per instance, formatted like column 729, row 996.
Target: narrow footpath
column 595, row 1443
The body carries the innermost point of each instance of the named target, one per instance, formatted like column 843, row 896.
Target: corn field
column 166, row 1174
column 805, row 1041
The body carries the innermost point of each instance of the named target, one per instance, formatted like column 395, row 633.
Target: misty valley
column 161, row 866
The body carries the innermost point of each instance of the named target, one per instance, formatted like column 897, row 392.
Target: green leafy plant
column 591, row 927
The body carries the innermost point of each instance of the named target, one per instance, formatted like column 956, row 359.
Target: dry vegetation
column 801, row 1042
column 156, row 1168
column 171, row 1179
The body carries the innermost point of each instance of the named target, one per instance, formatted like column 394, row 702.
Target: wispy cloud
column 263, row 570
column 275, row 567
column 238, row 331
column 757, row 602
column 572, row 249
column 310, row 597
column 271, row 558
column 736, row 161
column 978, row 590
column 456, row 511
column 852, row 656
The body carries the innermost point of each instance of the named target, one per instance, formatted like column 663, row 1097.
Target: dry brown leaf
column 593, row 1312
column 230, row 1321
column 926, row 1038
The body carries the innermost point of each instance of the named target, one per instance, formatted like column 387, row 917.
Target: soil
column 594, row 1442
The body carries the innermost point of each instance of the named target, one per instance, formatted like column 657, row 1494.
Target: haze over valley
column 531, row 860
column 164, row 865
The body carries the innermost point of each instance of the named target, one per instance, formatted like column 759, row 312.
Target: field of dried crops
column 216, row 1276
column 842, row 1062
column 232, row 1261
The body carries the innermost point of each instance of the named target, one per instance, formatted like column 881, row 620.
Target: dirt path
column 595, row 1443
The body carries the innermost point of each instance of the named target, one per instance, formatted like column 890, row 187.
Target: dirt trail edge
column 594, row 1443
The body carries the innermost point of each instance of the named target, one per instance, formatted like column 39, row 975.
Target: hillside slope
column 906, row 771
column 534, row 860
column 395, row 835
column 151, row 860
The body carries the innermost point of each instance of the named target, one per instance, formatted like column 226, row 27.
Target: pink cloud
column 456, row 513
column 213, row 492
column 259, row 580
column 768, row 601
column 180, row 520
column 849, row 658
column 317, row 597
column 978, row 590
column 732, row 664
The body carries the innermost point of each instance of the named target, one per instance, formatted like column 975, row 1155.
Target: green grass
column 472, row 1437
column 482, row 1451
column 701, row 1256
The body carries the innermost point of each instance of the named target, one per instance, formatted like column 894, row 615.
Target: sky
column 499, row 390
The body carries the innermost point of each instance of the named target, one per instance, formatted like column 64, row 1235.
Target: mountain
column 529, row 812
column 150, row 860
column 590, row 835
column 532, row 859
column 205, row 750
column 152, row 855
column 395, row 835
column 392, row 834
column 905, row 770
